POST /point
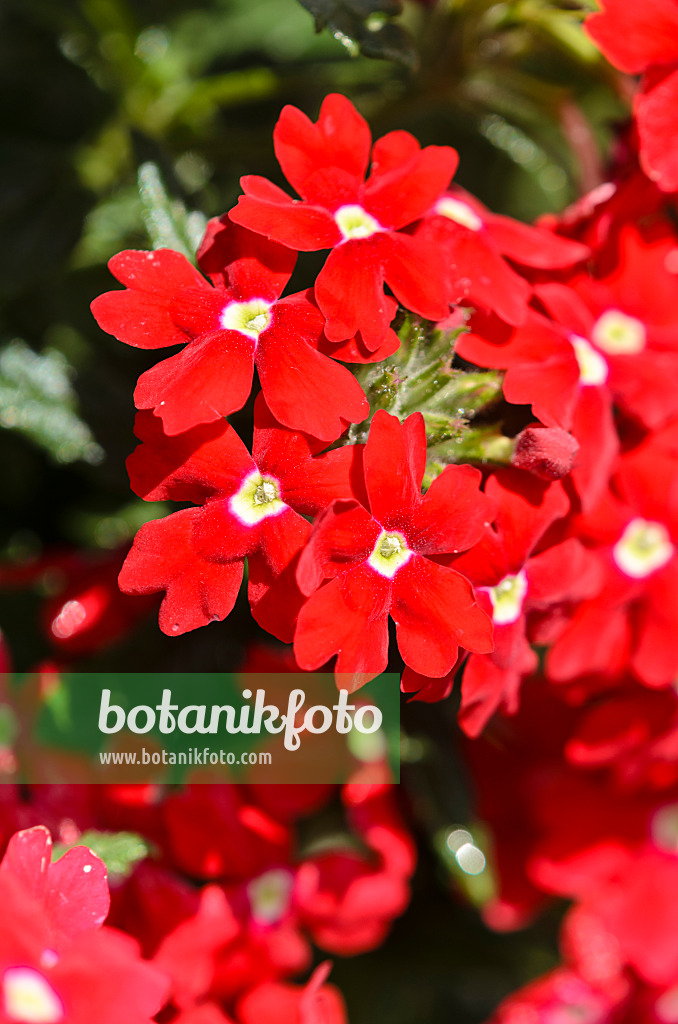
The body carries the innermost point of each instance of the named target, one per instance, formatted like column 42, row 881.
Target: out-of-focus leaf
column 38, row 401
column 167, row 221
column 366, row 26
column 120, row 851
column 108, row 227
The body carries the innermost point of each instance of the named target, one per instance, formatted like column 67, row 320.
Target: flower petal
column 340, row 139
column 436, row 611
column 348, row 617
column 453, row 514
column 656, row 109
column 306, row 390
column 301, row 227
column 350, row 293
column 141, row 315
column 394, row 460
column 249, row 265
column 534, row 246
column 404, row 193
column 207, row 380
column 196, row 591
column 200, row 464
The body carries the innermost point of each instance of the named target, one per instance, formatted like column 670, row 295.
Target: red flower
column 348, row 899
column 626, row 322
column 633, row 620
column 564, row 380
column 476, row 241
column 384, row 561
column 643, row 39
column 315, row 1003
column 57, row 966
column 512, row 581
column 213, row 832
column 360, row 221
column 634, row 732
column 561, row 997
column 227, row 328
column 636, row 914
column 72, row 893
column 252, row 505
column 556, row 829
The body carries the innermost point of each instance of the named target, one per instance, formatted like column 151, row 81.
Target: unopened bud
column 548, row 452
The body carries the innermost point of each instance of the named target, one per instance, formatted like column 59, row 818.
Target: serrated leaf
column 366, row 26
column 169, row 224
column 38, row 401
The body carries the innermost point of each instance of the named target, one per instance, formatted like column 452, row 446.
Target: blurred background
column 128, row 124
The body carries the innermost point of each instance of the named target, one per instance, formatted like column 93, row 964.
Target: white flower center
column 269, row 895
column 257, row 498
column 354, row 222
column 459, row 212
column 643, row 548
column 507, row 598
column 29, row 997
column 390, row 553
column 592, row 366
column 249, row 318
column 618, row 334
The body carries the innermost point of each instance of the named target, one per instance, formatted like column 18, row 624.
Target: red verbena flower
column 251, row 505
column 643, row 39
column 475, row 243
column 381, row 559
column 624, row 324
column 360, row 220
column 514, row 575
column 57, row 965
column 227, row 328
column 564, row 381
column 314, row 1003
column 632, row 621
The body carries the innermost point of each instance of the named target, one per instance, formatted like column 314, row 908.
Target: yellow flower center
column 354, row 222
column 618, row 334
column 29, row 998
column 248, row 318
column 257, row 498
column 643, row 548
column 269, row 895
column 390, row 553
column 507, row 598
column 459, row 212
column 592, row 366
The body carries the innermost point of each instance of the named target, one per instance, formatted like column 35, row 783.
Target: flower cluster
column 224, row 912
column 468, row 426
column 57, row 964
column 564, row 537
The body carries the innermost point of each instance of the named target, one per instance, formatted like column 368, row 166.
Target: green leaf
column 169, row 224
column 366, row 26
column 38, row 401
column 120, row 851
